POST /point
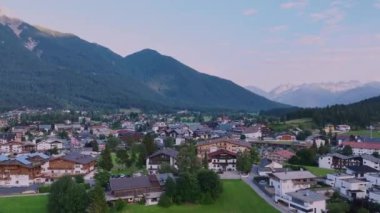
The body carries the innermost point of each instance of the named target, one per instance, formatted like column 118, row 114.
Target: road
column 269, row 200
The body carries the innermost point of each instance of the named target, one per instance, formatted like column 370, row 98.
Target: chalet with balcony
column 164, row 156
column 222, row 160
column 22, row 170
column 231, row 145
column 338, row 161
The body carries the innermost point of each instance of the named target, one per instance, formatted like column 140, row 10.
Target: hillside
column 361, row 114
column 45, row 68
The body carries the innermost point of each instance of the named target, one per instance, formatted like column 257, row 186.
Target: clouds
column 249, row 12
column 311, row 40
column 377, row 4
column 295, row 4
column 278, row 28
column 331, row 16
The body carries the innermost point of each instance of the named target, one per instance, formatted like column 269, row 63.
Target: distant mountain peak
column 13, row 23
column 53, row 33
column 147, row 51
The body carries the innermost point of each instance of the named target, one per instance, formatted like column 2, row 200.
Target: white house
column 49, row 145
column 334, row 180
column 305, row 201
column 11, row 147
column 290, row 181
column 371, row 161
column 338, row 161
column 343, row 128
column 353, row 188
column 267, row 166
column 253, row 132
column 374, row 195
column 222, row 160
column 166, row 155
column 360, row 148
column 373, row 179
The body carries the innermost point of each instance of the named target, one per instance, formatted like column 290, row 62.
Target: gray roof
column 265, row 162
column 167, row 151
column 361, row 169
column 371, row 158
column 78, row 158
column 226, row 140
column 339, row 156
column 127, row 183
column 307, row 196
column 293, row 175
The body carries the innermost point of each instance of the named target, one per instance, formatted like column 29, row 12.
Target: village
column 316, row 171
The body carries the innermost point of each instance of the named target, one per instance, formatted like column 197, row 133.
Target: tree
column 95, row 146
column 98, row 203
column 244, row 162
column 142, row 156
column 67, row 196
column 187, row 188
column 63, row 134
column 169, row 142
column 112, row 143
column 347, row 150
column 79, row 179
column 187, row 159
column 106, row 160
column 205, row 162
column 255, row 158
column 166, row 168
column 338, row 207
column 209, row 183
column 243, row 137
column 148, row 142
column 165, row 201
column 170, row 188
column 102, row 178
column 122, row 156
column 376, row 154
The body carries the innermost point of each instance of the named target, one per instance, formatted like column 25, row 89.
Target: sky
column 264, row 43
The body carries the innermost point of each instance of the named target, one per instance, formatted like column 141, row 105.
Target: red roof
column 362, row 145
column 284, row 153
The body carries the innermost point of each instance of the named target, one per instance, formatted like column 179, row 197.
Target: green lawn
column 237, row 197
column 364, row 132
column 320, row 172
column 24, row 204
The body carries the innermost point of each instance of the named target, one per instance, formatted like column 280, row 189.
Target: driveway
column 230, row 175
column 269, row 200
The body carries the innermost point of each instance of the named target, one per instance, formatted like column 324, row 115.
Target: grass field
column 237, row 197
column 320, row 172
column 364, row 132
column 24, row 204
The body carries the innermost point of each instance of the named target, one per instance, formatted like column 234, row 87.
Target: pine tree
column 98, row 202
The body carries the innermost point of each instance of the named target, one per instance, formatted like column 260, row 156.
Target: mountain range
column 40, row 67
column 321, row 94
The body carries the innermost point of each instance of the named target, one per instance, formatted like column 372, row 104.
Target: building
column 164, row 156
column 286, row 137
column 359, row 171
column 306, row 201
column 222, row 160
column 360, row 148
column 230, row 145
column 343, row 128
column 374, row 195
column 49, row 145
column 22, row 170
column 371, row 161
column 338, row 161
column 280, row 156
column 353, row 188
column 334, row 180
column 7, row 137
column 373, row 179
column 290, row 181
column 12, row 147
column 134, row 189
column 252, row 133
column 267, row 166
column 71, row 164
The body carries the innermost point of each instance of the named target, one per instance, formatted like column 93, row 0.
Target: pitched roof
column 284, row 153
column 361, row 169
column 166, row 151
column 226, row 140
column 362, row 145
column 265, row 162
column 78, row 158
column 128, row 183
column 307, row 196
column 293, row 175
column 370, row 158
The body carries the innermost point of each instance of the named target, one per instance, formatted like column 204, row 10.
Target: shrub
column 119, row 205
column 165, row 201
column 79, row 179
column 206, row 199
column 44, row 189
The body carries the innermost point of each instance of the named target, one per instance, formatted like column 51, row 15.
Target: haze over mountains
column 44, row 68
column 321, row 94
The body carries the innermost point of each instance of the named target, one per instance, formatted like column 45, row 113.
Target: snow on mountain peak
column 31, row 44
column 12, row 23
